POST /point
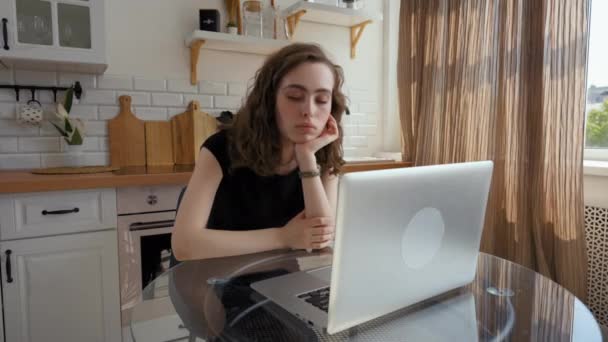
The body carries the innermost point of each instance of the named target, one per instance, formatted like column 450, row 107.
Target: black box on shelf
column 209, row 20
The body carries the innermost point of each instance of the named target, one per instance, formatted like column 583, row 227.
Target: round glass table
column 211, row 300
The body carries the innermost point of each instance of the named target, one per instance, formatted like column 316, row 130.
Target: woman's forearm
column 214, row 243
column 316, row 202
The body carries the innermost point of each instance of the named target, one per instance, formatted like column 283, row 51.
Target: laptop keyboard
column 318, row 298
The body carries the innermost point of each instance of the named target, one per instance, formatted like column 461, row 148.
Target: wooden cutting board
column 127, row 136
column 159, row 143
column 190, row 130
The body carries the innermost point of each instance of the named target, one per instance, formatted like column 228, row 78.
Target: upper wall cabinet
column 64, row 35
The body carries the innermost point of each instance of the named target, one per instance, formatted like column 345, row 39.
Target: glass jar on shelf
column 253, row 22
column 274, row 22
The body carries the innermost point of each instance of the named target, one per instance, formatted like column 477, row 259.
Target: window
column 596, row 126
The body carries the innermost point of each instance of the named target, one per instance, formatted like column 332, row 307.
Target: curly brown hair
column 255, row 140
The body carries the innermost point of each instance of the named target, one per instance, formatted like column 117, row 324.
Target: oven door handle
column 135, row 226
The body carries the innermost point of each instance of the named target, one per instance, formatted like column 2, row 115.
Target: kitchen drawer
column 57, row 212
column 143, row 199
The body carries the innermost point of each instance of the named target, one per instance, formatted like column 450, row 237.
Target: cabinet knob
column 152, row 199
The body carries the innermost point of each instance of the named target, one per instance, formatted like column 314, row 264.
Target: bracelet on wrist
column 310, row 174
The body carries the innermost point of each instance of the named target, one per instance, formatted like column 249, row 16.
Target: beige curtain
column 505, row 80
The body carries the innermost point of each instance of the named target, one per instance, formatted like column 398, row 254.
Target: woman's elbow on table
column 181, row 246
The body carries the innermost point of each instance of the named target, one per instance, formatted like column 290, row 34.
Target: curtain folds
column 505, row 80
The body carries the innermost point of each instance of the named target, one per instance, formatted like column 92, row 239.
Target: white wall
column 148, row 60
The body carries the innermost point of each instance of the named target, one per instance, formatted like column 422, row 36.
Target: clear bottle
column 279, row 25
column 268, row 18
column 253, row 23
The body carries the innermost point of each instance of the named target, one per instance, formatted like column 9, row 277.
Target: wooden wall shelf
column 355, row 19
column 227, row 42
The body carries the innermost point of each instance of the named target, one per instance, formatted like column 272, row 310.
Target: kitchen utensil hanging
column 31, row 113
column 18, row 87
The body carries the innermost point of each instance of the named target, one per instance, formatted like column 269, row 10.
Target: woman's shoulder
column 217, row 139
column 217, row 144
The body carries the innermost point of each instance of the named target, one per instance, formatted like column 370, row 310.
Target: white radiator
column 596, row 232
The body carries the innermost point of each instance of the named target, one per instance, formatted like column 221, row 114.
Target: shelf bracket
column 355, row 35
column 195, row 50
column 293, row 20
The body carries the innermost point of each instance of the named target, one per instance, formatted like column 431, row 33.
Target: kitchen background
column 148, row 60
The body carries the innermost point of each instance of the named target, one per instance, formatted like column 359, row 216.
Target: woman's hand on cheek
column 329, row 134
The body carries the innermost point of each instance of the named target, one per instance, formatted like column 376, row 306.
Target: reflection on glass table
column 210, row 300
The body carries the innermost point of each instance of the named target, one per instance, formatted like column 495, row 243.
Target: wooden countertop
column 19, row 181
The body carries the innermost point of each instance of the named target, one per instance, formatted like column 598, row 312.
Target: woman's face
column 304, row 102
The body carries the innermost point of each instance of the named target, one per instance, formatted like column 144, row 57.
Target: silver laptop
column 402, row 236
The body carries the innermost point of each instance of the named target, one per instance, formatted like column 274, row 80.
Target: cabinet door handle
column 60, row 212
column 9, row 275
column 5, row 33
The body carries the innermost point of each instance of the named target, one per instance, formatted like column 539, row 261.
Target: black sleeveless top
column 245, row 200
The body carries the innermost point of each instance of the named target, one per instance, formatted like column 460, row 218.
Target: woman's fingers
column 322, row 230
column 321, row 245
column 322, row 238
column 321, row 222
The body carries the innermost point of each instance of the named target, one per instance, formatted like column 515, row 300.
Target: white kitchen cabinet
column 56, row 212
column 53, row 34
column 63, row 288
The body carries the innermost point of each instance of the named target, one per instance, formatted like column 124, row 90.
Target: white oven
column 145, row 222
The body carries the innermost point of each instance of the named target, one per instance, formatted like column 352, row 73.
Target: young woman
column 270, row 180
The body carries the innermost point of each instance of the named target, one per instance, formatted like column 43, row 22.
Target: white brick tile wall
column 212, row 88
column 6, row 76
column 181, row 86
column 230, row 102
column 7, row 95
column 104, row 144
column 7, row 110
column 86, row 112
column 8, row 145
column 114, row 82
column 369, row 130
column 99, row 97
column 150, row 113
column 368, row 107
column 172, row 111
column 153, row 99
column 144, row 84
column 74, row 159
column 37, row 144
column 203, row 100
column 12, row 129
column 19, row 161
column 41, row 78
column 237, row 89
column 44, row 97
column 370, row 119
column 354, row 118
column 96, row 128
column 137, row 98
column 48, row 130
column 358, row 95
column 357, row 141
column 87, row 81
column 89, row 144
column 159, row 99
column 107, row 112
column 349, row 129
